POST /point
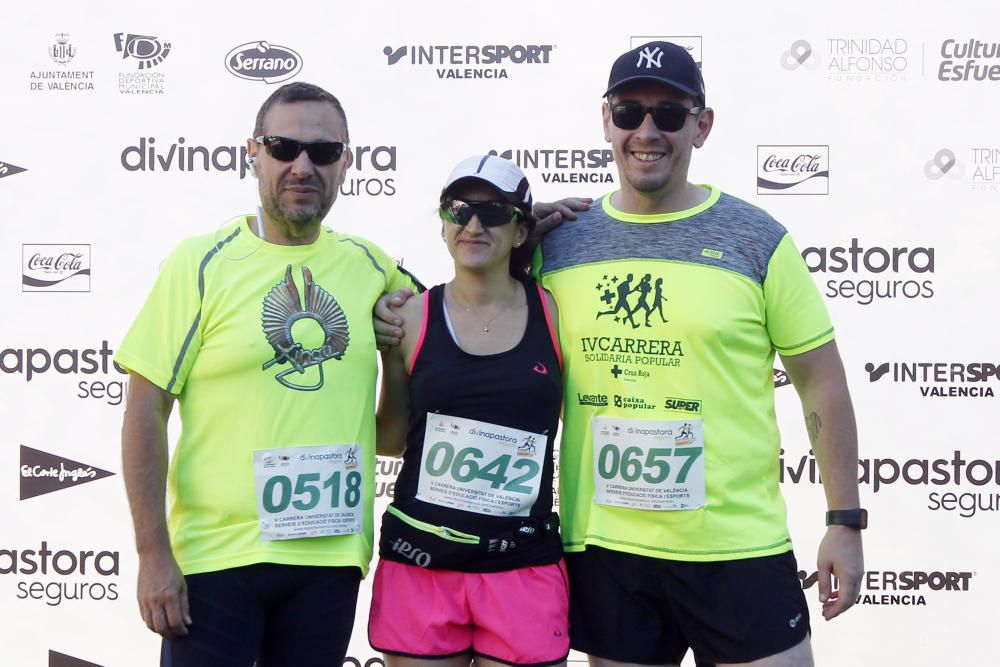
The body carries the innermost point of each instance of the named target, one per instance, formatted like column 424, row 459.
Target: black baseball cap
column 665, row 62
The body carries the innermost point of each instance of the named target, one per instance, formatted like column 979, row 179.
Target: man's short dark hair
column 298, row 91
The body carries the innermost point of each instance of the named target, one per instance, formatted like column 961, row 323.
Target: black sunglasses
column 320, row 152
column 667, row 117
column 490, row 213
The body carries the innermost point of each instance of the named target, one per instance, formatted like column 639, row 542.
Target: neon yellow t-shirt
column 676, row 318
column 266, row 346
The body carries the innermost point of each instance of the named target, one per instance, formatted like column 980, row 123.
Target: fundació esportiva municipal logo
column 633, row 300
column 793, row 170
column 148, row 51
column 263, row 61
column 283, row 307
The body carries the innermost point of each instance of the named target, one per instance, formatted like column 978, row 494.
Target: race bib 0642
column 480, row 467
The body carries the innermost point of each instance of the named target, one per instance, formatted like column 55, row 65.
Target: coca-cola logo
column 67, row 261
column 263, row 61
column 55, row 268
column 800, row 164
column 793, row 170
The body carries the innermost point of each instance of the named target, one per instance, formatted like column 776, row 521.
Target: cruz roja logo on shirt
column 623, row 299
column 283, row 308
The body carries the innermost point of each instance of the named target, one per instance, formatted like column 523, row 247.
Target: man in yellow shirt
column 262, row 334
column 672, row 515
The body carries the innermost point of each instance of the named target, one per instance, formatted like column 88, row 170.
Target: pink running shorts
column 519, row 617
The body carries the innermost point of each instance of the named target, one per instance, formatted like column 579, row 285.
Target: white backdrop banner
column 868, row 129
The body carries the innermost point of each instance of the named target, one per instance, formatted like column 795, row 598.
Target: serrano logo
column 262, row 61
column 622, row 304
column 283, row 308
column 43, row 473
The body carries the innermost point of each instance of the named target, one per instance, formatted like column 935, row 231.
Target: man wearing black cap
column 673, row 520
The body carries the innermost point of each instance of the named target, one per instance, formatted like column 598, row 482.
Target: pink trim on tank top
column 423, row 332
column 548, row 322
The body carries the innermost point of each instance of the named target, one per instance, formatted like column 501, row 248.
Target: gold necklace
column 486, row 323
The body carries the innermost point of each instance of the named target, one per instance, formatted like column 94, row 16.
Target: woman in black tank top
column 471, row 399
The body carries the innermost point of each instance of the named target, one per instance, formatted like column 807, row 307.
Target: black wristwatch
column 856, row 518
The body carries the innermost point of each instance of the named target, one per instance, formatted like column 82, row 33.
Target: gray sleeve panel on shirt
column 209, row 256
column 731, row 235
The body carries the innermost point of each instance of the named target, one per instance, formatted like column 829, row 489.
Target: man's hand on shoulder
column 551, row 214
column 386, row 320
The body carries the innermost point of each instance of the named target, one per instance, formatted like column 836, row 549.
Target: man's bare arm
column 818, row 376
column 161, row 589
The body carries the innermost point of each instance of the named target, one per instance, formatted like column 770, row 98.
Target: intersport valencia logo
column 263, row 61
column 469, row 61
column 938, row 379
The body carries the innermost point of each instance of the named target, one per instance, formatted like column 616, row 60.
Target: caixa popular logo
column 50, row 267
column 263, row 61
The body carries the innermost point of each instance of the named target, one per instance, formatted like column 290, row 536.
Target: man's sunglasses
column 667, row 117
column 490, row 213
column 284, row 149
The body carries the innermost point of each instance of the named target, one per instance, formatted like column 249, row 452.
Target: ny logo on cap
column 651, row 56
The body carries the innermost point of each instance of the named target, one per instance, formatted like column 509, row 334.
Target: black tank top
column 520, row 388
